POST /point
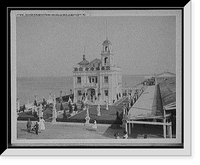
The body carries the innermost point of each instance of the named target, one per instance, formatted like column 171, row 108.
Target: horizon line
column 72, row 75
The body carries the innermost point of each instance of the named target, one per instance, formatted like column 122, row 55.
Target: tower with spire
column 106, row 53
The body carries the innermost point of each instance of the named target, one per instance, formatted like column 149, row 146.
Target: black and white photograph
column 97, row 79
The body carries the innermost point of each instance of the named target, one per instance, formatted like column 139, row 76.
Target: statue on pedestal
column 54, row 113
column 40, row 111
column 87, row 118
column 72, row 109
column 98, row 110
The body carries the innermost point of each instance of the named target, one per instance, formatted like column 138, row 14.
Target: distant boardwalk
column 148, row 110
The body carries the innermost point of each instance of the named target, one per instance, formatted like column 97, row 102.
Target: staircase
column 120, row 101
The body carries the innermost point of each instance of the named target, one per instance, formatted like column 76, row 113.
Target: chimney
column 83, row 57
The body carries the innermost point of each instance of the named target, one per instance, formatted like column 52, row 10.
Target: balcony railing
column 92, row 68
column 107, row 67
column 91, row 84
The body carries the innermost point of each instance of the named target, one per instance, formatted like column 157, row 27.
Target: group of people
column 37, row 127
column 125, row 136
column 73, row 109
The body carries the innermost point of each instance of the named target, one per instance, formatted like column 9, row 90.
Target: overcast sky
column 52, row 46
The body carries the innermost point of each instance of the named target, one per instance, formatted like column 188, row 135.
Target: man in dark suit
column 36, row 127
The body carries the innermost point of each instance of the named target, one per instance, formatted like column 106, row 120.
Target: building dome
column 106, row 42
column 84, row 62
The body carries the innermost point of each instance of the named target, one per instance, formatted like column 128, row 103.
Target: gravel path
column 79, row 131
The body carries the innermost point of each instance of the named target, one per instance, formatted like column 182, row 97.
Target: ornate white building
column 99, row 80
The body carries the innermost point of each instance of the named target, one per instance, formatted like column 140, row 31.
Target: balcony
column 79, row 85
column 91, row 85
column 105, row 85
column 106, row 52
column 105, row 68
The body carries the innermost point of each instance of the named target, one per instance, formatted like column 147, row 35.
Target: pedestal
column 54, row 113
column 54, row 120
column 107, row 108
column 84, row 108
column 124, row 120
column 87, row 118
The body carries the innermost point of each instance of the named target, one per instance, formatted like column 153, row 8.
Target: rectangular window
column 105, row 79
column 79, row 80
column 79, row 93
column 106, row 92
column 93, row 79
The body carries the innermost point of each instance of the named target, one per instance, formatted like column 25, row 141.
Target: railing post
column 164, row 126
column 126, row 130
column 170, row 130
column 129, row 128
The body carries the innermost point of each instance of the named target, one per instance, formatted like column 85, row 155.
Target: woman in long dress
column 125, row 135
column 94, row 127
column 41, row 124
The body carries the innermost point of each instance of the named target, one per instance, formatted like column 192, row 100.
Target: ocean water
column 28, row 87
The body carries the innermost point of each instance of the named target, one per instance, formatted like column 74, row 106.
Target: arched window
column 106, row 48
column 105, row 60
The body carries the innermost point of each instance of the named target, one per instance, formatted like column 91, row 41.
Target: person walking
column 116, row 135
column 36, row 127
column 75, row 108
column 28, row 125
column 94, row 127
column 70, row 107
column 132, row 102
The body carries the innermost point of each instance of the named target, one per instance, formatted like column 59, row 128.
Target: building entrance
column 91, row 94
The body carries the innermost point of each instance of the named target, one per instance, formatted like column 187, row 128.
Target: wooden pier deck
column 149, row 104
